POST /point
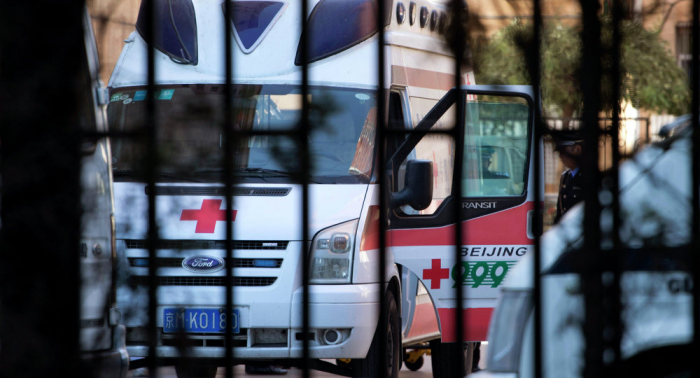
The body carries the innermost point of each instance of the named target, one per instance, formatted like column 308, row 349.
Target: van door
column 496, row 201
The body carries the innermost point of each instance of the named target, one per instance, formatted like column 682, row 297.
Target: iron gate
column 41, row 149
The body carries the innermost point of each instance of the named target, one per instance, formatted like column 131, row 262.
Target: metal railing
column 39, row 328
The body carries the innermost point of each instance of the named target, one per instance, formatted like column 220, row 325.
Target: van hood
column 269, row 212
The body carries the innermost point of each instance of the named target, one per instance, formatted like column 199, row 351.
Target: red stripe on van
column 416, row 77
column 508, row 227
column 476, row 323
column 424, row 321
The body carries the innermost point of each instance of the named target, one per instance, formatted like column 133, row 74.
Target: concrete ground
column 239, row 371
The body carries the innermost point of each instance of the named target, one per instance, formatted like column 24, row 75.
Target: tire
column 445, row 359
column 195, row 371
column 367, row 367
column 674, row 361
column 414, row 366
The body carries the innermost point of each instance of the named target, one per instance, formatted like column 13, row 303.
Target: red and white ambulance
column 343, row 253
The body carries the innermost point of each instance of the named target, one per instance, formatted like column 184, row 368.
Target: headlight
column 331, row 254
column 507, row 329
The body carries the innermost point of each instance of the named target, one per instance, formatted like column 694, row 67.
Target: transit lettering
column 478, row 205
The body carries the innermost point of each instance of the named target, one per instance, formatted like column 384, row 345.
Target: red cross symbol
column 436, row 274
column 207, row 216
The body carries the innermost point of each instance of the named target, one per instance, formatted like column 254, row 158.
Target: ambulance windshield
column 190, row 138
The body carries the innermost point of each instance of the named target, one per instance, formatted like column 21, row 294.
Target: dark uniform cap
column 567, row 139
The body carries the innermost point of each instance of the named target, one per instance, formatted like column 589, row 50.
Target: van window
column 495, row 147
column 190, row 139
column 438, row 148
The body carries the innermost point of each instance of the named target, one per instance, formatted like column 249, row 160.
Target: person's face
column 486, row 161
column 569, row 155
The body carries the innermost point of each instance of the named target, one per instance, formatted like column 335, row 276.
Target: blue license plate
column 198, row 320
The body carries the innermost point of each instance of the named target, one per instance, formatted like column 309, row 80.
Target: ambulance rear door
column 496, row 201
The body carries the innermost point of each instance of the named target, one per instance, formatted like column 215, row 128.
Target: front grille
column 218, row 191
column 209, row 244
column 170, row 262
column 205, row 281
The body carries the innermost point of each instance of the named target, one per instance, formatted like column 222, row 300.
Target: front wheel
column 391, row 352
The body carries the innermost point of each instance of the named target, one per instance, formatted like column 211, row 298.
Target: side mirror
column 418, row 191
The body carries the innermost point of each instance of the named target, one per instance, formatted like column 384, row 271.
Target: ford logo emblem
column 203, row 264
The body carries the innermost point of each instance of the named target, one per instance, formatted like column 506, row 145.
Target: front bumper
column 351, row 310
column 113, row 363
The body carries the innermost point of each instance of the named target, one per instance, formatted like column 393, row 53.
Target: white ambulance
column 269, row 249
column 656, row 284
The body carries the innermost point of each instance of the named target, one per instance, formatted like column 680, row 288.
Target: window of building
column 684, row 46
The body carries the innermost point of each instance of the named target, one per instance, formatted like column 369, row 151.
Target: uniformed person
column 570, row 149
column 486, row 159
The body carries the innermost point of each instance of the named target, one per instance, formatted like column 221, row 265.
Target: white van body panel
column 257, row 217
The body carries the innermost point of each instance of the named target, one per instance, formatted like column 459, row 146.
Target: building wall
column 496, row 14
column 113, row 21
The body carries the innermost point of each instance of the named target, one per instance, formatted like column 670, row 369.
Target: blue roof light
column 252, row 20
column 337, row 25
column 175, row 29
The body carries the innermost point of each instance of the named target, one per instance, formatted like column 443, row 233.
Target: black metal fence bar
column 382, row 366
column 695, row 224
column 612, row 308
column 40, row 188
column 151, row 167
column 459, row 41
column 303, row 144
column 229, row 134
column 590, row 281
column 535, row 76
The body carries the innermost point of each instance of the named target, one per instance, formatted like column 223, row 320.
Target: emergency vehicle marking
column 436, row 274
column 207, row 216
column 478, row 273
column 494, row 250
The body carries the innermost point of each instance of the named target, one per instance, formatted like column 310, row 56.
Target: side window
column 86, row 105
column 438, row 148
column 495, row 147
column 396, row 122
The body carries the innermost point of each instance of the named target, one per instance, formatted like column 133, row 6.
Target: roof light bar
column 175, row 29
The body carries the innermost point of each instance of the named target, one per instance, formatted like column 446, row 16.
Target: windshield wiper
column 274, row 172
column 131, row 173
column 257, row 172
column 265, row 170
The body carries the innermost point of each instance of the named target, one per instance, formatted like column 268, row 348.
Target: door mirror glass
column 418, row 192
